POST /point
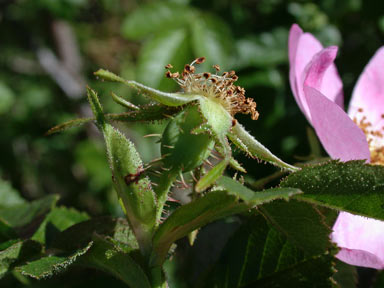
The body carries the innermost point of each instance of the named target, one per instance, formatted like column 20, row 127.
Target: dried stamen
column 220, row 88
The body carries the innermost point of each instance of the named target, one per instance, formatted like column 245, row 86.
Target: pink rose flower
column 317, row 88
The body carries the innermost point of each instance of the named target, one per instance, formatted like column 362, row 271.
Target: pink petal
column 294, row 36
column 360, row 240
column 302, row 47
column 368, row 93
column 322, row 75
column 340, row 136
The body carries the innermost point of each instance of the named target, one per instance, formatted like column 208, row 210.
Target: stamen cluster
column 214, row 86
column 375, row 138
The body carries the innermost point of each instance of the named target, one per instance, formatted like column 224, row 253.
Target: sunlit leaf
column 153, row 18
column 352, row 186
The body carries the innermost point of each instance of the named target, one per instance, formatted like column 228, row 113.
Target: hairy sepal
column 169, row 99
column 247, row 143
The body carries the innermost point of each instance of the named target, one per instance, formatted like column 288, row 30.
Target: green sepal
column 211, row 176
column 246, row 142
column 218, row 119
column 96, row 107
column 170, row 99
column 146, row 113
column 180, row 148
column 124, row 102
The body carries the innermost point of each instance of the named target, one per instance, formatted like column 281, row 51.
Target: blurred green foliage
column 50, row 48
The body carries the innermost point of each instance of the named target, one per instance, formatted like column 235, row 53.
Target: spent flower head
column 220, row 88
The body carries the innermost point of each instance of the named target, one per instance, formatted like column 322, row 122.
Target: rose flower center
column 375, row 138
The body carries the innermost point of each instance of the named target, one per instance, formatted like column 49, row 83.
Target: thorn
column 170, row 199
column 193, row 176
column 168, row 116
column 152, row 135
column 165, row 169
column 155, row 184
column 214, row 156
column 169, row 146
column 208, row 163
column 165, row 155
column 183, row 181
column 148, row 167
column 156, row 160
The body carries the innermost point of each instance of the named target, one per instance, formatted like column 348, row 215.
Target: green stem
column 157, row 278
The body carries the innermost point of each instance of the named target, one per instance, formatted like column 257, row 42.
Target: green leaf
column 7, row 98
column 59, row 219
column 6, row 233
column 246, row 142
column 259, row 256
column 50, row 265
column 211, row 207
column 113, row 250
column 109, row 258
column 133, row 188
column 154, row 18
column 79, row 235
column 266, row 49
column 171, row 46
column 346, row 275
column 18, row 251
column 352, row 186
column 8, row 256
column 304, row 224
column 8, row 195
column 211, row 38
column 21, row 214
